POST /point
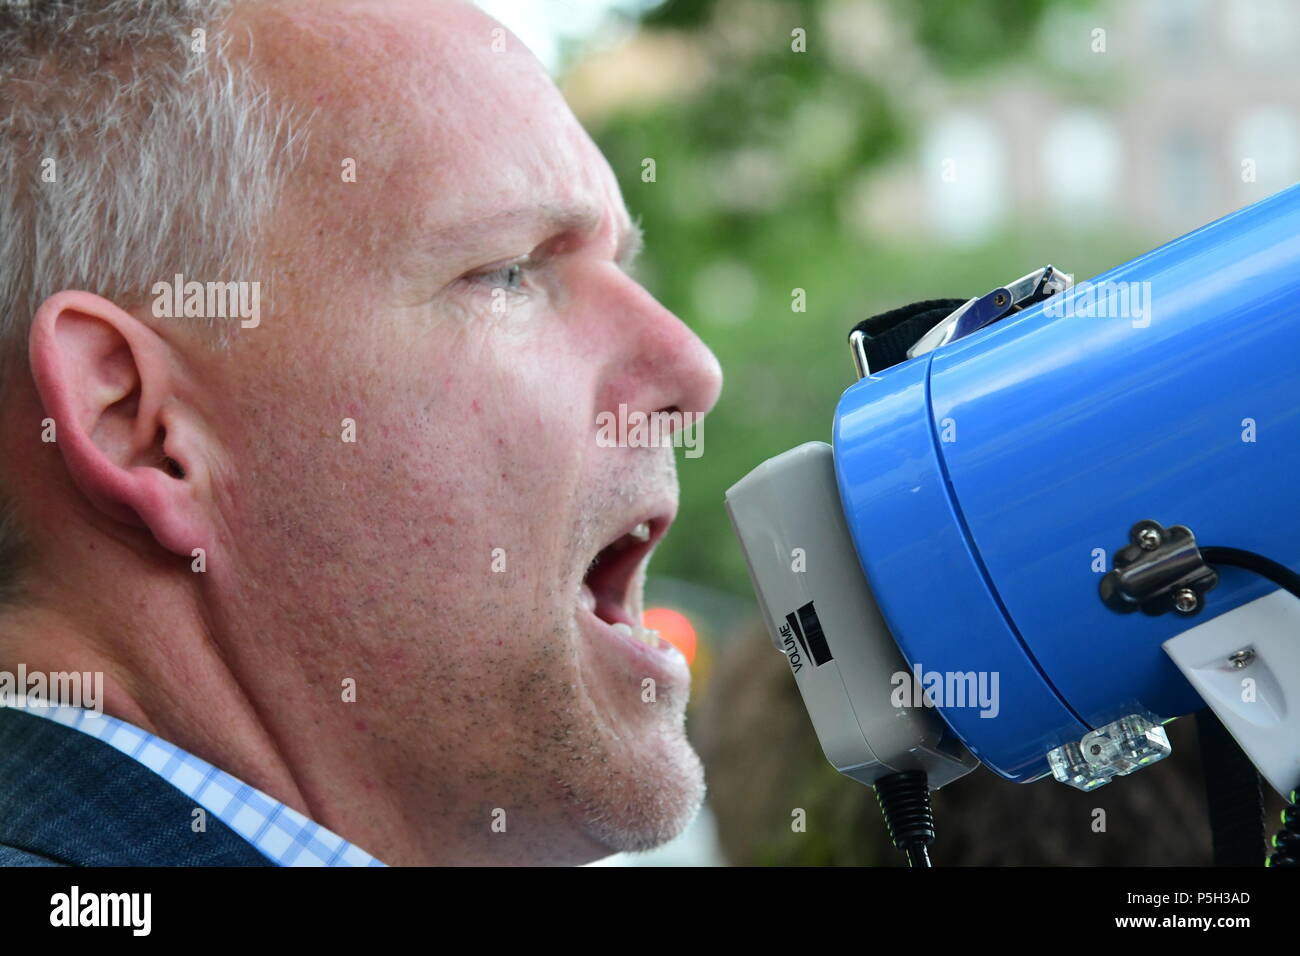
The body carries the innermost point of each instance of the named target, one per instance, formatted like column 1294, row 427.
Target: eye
column 509, row 277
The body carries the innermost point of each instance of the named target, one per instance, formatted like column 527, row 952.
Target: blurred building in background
column 1165, row 112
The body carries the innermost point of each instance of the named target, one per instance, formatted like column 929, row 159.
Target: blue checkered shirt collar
column 280, row 833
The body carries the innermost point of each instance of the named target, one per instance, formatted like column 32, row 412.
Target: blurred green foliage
column 747, row 205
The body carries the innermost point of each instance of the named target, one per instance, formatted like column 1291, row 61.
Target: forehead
column 446, row 115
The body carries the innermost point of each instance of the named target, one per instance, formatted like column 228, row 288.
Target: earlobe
column 106, row 380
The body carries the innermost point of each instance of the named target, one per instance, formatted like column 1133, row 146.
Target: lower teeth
column 645, row 635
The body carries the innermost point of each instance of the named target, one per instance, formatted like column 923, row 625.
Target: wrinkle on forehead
column 442, row 128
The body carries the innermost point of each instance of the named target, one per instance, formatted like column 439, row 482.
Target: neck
column 161, row 669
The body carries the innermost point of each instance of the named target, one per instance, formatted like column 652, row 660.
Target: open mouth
column 607, row 585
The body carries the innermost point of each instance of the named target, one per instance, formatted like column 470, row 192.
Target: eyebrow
column 554, row 220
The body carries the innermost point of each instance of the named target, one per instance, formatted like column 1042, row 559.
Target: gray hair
column 132, row 147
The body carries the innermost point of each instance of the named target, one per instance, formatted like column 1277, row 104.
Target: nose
column 664, row 365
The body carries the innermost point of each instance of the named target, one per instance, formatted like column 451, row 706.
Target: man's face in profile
column 465, row 303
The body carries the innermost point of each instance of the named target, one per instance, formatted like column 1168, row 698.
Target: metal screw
column 1000, row 300
column 1241, row 658
column 1186, row 600
column 1095, row 749
column 1148, row 539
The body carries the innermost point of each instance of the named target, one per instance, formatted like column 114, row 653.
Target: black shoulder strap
column 888, row 336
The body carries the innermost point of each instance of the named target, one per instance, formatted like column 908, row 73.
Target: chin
column 653, row 807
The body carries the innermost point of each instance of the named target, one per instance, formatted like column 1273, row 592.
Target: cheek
column 515, row 420
column 412, row 482
column 473, row 486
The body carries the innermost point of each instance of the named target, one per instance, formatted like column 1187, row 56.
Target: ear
column 107, row 380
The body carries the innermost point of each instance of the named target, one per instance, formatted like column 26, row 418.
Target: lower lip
column 665, row 664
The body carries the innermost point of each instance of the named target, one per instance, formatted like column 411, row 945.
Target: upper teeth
column 645, row 635
column 641, row 532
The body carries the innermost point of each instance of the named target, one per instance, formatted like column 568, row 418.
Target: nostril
column 673, row 416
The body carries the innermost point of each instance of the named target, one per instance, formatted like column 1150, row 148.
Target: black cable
column 905, row 801
column 1286, row 842
column 918, row 856
column 1279, row 574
